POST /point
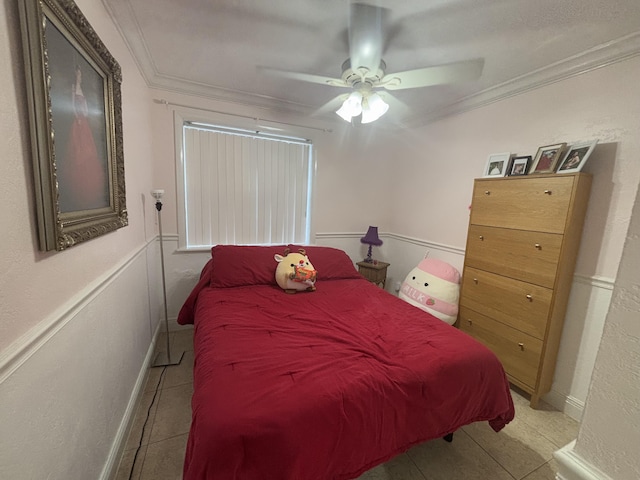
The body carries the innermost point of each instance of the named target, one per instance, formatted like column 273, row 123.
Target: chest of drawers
column 523, row 239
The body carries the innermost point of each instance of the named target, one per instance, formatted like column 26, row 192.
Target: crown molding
column 597, row 57
column 600, row 56
column 124, row 19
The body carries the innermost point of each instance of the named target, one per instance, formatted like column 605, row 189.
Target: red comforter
column 326, row 385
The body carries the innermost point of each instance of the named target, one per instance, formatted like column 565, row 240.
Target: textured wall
column 75, row 326
column 354, row 163
column 610, row 432
column 65, row 402
column 436, row 164
column 34, row 284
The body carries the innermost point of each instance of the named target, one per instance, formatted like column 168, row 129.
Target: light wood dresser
column 522, row 244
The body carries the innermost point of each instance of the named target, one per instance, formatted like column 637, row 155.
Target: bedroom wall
column 602, row 104
column 75, row 326
column 607, row 441
column 351, row 185
column 605, row 447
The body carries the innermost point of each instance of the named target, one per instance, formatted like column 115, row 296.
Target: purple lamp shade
column 371, row 238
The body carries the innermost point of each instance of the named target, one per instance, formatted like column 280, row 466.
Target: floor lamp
column 164, row 359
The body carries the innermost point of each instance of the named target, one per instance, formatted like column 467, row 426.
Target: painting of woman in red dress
column 82, row 172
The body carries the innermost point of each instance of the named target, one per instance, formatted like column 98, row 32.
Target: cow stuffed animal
column 294, row 272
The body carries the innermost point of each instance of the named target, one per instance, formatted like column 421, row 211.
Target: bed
column 322, row 385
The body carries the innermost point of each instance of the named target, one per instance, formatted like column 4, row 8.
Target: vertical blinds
column 242, row 188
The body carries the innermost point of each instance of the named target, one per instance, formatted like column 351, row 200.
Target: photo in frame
column 497, row 165
column 547, row 158
column 576, row 157
column 75, row 119
column 520, row 165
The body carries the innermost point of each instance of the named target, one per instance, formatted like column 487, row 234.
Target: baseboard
column 567, row 404
column 572, row 466
column 120, row 441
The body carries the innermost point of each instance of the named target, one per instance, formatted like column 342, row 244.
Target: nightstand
column 374, row 272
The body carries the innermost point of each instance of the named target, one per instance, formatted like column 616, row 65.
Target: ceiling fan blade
column 331, row 106
column 397, row 108
column 366, row 35
column 437, row 75
column 305, row 77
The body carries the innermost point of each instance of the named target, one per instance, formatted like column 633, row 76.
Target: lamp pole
column 163, row 358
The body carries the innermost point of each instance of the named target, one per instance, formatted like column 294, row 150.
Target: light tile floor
column 521, row 451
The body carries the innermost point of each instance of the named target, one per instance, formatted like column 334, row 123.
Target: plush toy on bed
column 294, row 272
column 433, row 286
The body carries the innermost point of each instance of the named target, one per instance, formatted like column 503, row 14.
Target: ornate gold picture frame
column 75, row 117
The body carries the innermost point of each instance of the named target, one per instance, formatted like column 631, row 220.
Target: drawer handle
column 487, row 192
column 538, row 246
column 475, row 280
column 521, row 345
column 481, row 237
column 547, row 192
column 470, row 322
column 529, row 297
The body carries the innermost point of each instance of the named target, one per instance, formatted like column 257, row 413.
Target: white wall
column 610, row 442
column 75, row 326
column 607, row 443
column 435, row 171
column 353, row 163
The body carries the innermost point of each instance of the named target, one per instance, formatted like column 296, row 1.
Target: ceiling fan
column 364, row 72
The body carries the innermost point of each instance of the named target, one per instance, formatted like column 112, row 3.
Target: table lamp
column 371, row 239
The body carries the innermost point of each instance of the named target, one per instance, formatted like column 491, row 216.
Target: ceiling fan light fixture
column 373, row 107
column 352, row 106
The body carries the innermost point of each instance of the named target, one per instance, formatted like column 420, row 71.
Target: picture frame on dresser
column 75, row 119
column 576, row 157
column 520, row 165
column 497, row 165
column 546, row 159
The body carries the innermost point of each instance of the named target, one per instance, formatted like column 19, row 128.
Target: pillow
column 240, row 265
column 330, row 263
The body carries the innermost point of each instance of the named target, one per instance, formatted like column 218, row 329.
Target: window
column 242, row 187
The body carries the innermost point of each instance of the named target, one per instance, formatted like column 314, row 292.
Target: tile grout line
column 418, row 467
column 491, row 456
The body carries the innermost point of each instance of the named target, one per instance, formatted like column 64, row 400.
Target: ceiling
column 218, row 48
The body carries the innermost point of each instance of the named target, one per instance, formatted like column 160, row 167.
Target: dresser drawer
column 518, row 352
column 522, row 305
column 528, row 256
column 539, row 204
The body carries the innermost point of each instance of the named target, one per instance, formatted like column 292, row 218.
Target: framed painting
column 547, row 158
column 497, row 165
column 75, row 118
column 576, row 157
column 520, row 165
